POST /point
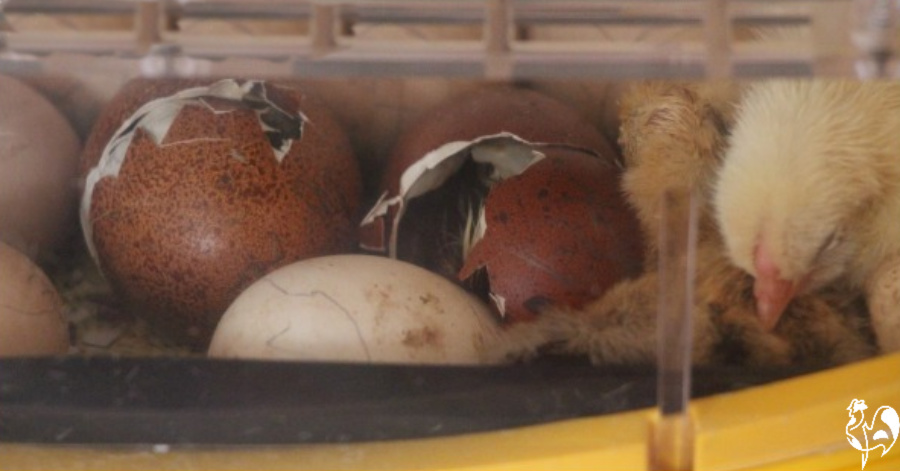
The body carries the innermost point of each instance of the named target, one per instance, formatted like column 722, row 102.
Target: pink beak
column 773, row 293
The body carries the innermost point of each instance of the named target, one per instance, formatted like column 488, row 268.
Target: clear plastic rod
column 672, row 443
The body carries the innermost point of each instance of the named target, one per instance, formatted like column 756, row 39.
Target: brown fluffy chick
column 672, row 136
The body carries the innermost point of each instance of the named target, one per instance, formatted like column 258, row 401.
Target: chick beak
column 773, row 293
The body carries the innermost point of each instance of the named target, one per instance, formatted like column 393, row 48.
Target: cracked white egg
column 359, row 308
column 31, row 311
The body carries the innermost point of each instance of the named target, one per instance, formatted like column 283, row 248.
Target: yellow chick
column 808, row 194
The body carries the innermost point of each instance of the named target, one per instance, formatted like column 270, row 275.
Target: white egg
column 358, row 308
column 38, row 170
column 31, row 313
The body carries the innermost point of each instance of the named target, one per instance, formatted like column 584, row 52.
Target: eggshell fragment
column 197, row 193
column 505, row 154
column 358, row 308
column 31, row 312
column 38, row 171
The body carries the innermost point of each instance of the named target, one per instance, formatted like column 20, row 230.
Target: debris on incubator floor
column 98, row 323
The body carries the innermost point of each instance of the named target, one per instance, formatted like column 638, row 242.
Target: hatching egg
column 38, row 171
column 513, row 194
column 194, row 194
column 31, row 313
column 442, row 165
column 559, row 233
column 359, row 308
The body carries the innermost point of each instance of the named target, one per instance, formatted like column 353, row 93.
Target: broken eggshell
column 572, row 241
column 501, row 155
column 196, row 194
column 558, row 234
column 441, row 167
column 359, row 308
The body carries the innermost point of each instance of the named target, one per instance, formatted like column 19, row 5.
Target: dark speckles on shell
column 189, row 223
column 559, row 234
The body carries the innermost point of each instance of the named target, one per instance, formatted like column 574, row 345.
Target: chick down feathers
column 808, row 194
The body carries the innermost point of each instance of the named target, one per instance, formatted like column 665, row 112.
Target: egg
column 430, row 179
column 358, row 308
column 513, row 194
column 883, row 296
column 558, row 234
column 196, row 193
column 38, row 171
column 31, row 314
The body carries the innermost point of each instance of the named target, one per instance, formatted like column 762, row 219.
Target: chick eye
column 829, row 243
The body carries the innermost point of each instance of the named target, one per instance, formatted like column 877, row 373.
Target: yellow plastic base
column 795, row 424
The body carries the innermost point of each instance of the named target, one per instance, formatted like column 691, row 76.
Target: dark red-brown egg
column 191, row 194
column 420, row 228
column 512, row 193
column 559, row 234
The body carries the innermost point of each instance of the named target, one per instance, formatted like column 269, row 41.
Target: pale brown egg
column 197, row 193
column 31, row 313
column 38, row 171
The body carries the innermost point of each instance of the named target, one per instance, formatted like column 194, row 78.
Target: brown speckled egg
column 420, row 222
column 197, row 194
column 560, row 233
